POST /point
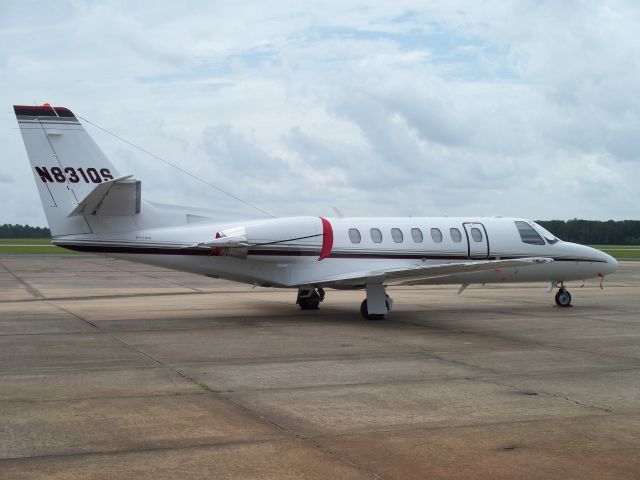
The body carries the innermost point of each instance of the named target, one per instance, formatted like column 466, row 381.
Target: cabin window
column 476, row 234
column 396, row 234
column 436, row 235
column 528, row 233
column 376, row 235
column 354, row 235
column 456, row 236
column 416, row 234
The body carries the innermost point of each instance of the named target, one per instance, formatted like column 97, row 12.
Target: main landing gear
column 364, row 310
column 309, row 299
column 374, row 307
column 563, row 297
column 377, row 303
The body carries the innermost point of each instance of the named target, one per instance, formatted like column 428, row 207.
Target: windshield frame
column 546, row 234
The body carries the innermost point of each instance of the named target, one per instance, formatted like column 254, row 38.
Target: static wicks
column 166, row 162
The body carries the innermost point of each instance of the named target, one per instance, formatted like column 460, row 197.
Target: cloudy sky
column 527, row 108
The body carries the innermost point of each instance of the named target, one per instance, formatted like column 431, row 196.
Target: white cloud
column 521, row 108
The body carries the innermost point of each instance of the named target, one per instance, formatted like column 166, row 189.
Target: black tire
column 563, row 298
column 311, row 302
column 364, row 311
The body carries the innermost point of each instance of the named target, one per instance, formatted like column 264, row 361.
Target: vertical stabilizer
column 66, row 164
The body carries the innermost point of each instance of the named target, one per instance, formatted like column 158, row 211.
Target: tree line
column 593, row 232
column 23, row 231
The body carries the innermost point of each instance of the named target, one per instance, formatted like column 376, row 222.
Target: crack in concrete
column 556, row 395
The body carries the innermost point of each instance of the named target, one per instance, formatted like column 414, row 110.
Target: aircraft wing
column 415, row 274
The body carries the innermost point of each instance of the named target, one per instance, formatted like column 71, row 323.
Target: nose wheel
column 563, row 297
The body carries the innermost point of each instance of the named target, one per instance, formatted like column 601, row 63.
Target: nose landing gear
column 563, row 297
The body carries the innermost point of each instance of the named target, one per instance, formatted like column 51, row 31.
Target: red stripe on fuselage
column 327, row 239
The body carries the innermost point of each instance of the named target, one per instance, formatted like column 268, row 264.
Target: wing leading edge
column 417, row 273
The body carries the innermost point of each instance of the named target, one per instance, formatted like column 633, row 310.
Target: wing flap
column 416, row 273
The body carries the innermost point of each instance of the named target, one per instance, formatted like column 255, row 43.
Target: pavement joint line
column 233, row 361
column 627, row 324
column 98, row 297
column 139, row 450
column 131, row 295
column 78, row 317
column 462, row 363
column 557, row 395
column 28, row 287
column 303, row 438
column 79, row 332
column 401, row 355
column 528, row 342
column 37, row 401
column 602, row 354
column 41, row 371
column 428, row 380
column 440, row 427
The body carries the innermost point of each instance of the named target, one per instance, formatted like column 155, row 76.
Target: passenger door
column 477, row 240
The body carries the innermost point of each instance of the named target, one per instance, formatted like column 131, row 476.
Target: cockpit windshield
column 548, row 236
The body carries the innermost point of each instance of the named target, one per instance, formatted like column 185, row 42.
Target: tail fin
column 67, row 164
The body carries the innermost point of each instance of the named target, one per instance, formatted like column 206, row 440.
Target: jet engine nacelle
column 280, row 235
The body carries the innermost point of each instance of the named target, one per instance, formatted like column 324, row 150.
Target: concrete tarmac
column 110, row 369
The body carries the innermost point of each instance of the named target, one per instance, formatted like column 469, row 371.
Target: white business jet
column 90, row 207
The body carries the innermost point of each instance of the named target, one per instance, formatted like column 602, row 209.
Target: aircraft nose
column 610, row 264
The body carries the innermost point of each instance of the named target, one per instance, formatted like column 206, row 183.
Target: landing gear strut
column 364, row 310
column 563, row 297
column 377, row 302
column 310, row 298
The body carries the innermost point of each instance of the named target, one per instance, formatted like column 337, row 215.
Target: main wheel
column 312, row 302
column 563, row 298
column 364, row 311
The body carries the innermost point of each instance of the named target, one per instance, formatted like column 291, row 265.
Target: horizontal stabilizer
column 117, row 197
column 417, row 273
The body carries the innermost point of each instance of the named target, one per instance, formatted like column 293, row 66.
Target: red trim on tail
column 327, row 239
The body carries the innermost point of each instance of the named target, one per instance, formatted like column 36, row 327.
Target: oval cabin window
column 436, row 235
column 376, row 235
column 396, row 234
column 354, row 235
